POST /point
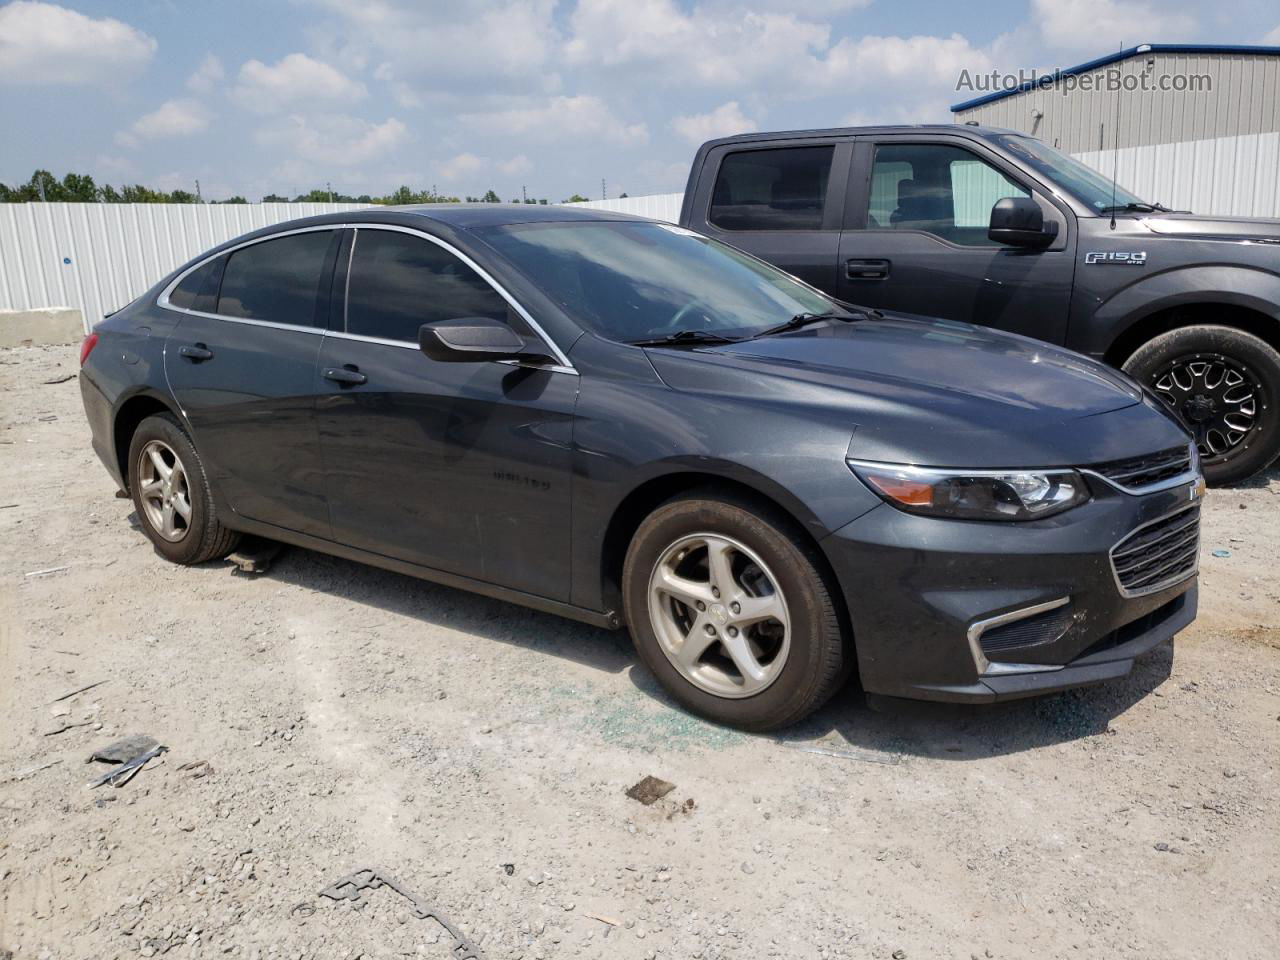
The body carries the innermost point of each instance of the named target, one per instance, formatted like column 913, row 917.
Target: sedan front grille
column 1158, row 554
column 1136, row 472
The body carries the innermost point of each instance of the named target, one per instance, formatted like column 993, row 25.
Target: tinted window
column 940, row 189
column 199, row 288
column 277, row 280
column 399, row 282
column 772, row 189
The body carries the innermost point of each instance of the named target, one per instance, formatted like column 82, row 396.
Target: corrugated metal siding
column 1226, row 176
column 1244, row 99
column 96, row 257
column 657, row 206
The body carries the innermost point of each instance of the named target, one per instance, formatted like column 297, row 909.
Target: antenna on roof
column 1115, row 139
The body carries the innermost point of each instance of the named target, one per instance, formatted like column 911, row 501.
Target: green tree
column 274, row 198
column 490, row 197
column 236, row 199
column 576, row 198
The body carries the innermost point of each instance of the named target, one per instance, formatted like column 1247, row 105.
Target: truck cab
column 993, row 227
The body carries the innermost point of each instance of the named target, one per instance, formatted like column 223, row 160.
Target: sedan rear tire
column 729, row 608
column 171, row 494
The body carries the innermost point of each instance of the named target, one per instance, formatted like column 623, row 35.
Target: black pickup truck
column 996, row 228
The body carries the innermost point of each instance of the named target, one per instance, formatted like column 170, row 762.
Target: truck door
column 784, row 203
column 915, row 238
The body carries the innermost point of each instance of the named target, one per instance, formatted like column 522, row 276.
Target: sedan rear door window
column 278, row 280
column 398, row 282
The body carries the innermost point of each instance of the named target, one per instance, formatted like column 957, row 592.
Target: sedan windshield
column 1084, row 183
column 636, row 281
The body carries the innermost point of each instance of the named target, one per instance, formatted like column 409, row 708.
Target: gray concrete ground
column 480, row 754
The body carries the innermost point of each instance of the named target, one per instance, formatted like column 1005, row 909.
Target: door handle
column 196, row 353
column 866, row 269
column 348, row 375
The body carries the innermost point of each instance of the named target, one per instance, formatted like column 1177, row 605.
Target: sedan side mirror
column 473, row 339
column 1019, row 222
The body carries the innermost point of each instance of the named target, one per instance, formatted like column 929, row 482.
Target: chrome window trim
column 163, row 300
column 976, row 629
column 563, row 364
column 1164, row 584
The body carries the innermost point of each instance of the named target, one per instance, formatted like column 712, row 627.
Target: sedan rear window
column 199, row 288
column 277, row 280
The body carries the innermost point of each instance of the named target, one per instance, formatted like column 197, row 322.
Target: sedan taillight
column 86, row 347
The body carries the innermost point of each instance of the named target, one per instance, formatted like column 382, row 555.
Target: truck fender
column 1246, row 287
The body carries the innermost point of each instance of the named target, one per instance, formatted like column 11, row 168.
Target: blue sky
column 285, row 95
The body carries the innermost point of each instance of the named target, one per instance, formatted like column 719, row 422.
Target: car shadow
column 851, row 728
column 435, row 604
column 847, row 725
column 1260, row 480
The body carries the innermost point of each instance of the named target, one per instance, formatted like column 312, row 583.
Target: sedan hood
column 942, row 393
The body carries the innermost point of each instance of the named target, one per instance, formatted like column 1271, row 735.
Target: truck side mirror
column 1019, row 222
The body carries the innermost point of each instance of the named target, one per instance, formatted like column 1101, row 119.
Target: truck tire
column 1223, row 384
column 729, row 608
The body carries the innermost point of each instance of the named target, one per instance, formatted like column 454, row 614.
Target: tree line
column 81, row 188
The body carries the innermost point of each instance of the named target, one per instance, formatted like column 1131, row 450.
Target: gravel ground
column 480, row 754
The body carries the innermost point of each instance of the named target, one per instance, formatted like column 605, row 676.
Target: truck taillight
column 86, row 347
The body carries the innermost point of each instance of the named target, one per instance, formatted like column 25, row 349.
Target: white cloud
column 515, row 166
column 1272, row 38
column 1100, row 26
column 206, row 76
column 493, row 44
column 293, row 79
column 561, row 118
column 706, row 46
column 333, row 139
column 923, row 62
column 173, row 118
column 43, row 43
column 725, row 120
column 463, row 165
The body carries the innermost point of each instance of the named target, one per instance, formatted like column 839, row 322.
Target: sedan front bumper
column 925, row 597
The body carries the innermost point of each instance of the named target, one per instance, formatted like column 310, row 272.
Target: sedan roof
column 464, row 215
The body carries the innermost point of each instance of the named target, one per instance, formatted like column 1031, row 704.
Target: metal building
column 1197, row 127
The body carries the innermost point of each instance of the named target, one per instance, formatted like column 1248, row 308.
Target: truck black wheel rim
column 1217, row 397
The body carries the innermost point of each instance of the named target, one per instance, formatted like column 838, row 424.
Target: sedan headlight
column 974, row 494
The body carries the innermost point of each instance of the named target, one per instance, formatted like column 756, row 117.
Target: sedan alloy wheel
column 719, row 615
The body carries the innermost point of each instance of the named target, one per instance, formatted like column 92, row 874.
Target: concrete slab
column 44, row 326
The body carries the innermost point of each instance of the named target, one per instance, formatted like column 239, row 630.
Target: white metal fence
column 1226, row 176
column 96, row 257
column 657, row 206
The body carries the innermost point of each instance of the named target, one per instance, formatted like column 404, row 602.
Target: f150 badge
column 1129, row 259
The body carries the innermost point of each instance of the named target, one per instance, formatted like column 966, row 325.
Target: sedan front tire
column 729, row 607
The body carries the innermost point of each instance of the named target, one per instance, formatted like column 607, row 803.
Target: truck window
column 940, row 189
column 783, row 189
